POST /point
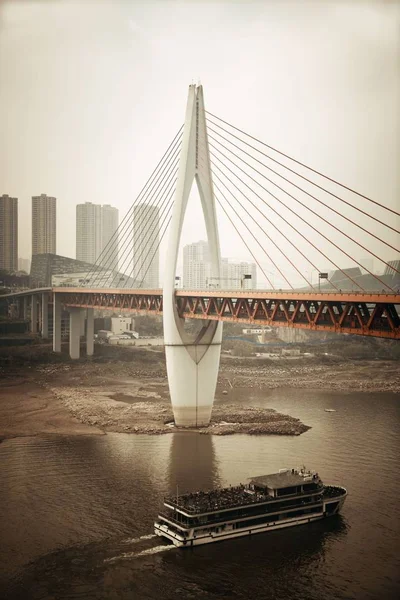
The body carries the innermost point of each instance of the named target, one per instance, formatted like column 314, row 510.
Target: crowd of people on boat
column 219, row 499
column 330, row 491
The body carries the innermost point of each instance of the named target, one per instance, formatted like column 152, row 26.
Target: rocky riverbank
column 129, row 393
column 345, row 376
column 139, row 408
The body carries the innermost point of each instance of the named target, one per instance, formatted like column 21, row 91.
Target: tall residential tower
column 196, row 266
column 96, row 237
column 197, row 270
column 88, row 232
column 8, row 233
column 43, row 225
column 238, row 275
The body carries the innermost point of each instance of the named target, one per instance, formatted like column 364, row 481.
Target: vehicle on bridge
column 290, row 497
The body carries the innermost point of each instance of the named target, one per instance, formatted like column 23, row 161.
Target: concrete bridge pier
column 45, row 316
column 34, row 314
column 77, row 328
column 90, row 332
column 20, row 308
column 25, row 308
column 83, row 320
column 57, row 309
column 75, row 321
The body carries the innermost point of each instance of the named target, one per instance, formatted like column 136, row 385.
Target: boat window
column 287, row 491
column 310, row 486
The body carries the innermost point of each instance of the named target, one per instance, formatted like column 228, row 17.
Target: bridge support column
column 25, row 308
column 20, row 308
column 45, row 316
column 90, row 332
column 192, row 363
column 34, row 314
column 57, row 308
column 75, row 332
column 192, row 384
column 83, row 320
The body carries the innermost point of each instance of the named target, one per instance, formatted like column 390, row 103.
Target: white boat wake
column 128, row 555
column 139, row 539
column 155, row 550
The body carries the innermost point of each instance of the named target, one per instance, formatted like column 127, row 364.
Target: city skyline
column 231, row 267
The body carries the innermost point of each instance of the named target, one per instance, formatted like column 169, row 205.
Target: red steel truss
column 121, row 300
column 347, row 312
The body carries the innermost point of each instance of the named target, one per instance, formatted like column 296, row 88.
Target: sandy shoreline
column 93, row 397
column 131, row 406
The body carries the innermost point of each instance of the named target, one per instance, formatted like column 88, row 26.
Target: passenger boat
column 290, row 497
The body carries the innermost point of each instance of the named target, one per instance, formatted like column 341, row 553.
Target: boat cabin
column 287, row 482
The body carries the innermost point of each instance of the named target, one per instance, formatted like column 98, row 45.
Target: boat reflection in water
column 192, row 463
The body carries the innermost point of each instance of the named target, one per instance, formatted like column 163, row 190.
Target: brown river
column 77, row 512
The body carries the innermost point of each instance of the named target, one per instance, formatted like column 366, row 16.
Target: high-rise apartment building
column 88, row 232
column 197, row 272
column 96, row 237
column 8, row 233
column 146, row 233
column 43, row 225
column 196, row 266
column 238, row 275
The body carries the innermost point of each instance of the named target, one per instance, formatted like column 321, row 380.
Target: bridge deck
column 362, row 313
column 393, row 298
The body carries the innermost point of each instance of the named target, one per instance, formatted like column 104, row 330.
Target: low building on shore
column 122, row 340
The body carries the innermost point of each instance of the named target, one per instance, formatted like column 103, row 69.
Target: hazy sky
column 92, row 93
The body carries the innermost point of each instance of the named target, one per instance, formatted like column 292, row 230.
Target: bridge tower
column 192, row 363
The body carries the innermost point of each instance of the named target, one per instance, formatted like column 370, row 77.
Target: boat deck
column 201, row 502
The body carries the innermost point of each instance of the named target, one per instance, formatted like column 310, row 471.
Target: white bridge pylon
column 192, row 364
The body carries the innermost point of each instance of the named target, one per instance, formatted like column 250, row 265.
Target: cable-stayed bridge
column 283, row 212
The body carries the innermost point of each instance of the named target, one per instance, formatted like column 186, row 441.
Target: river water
column 76, row 513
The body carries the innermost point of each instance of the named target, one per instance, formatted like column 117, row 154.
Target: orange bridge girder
column 371, row 314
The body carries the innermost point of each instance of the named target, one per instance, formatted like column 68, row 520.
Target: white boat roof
column 286, row 478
